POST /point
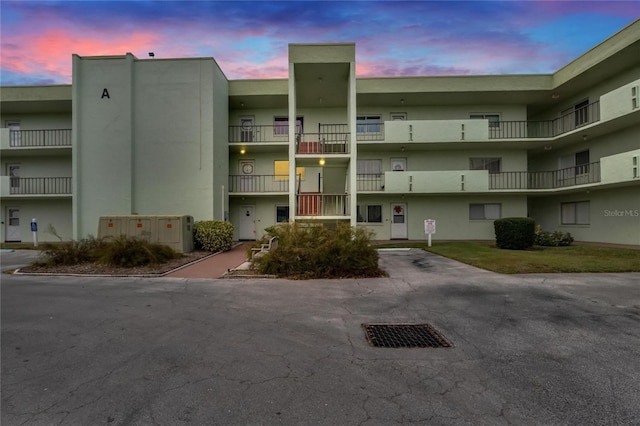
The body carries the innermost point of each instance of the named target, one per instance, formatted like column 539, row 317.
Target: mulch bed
column 94, row 268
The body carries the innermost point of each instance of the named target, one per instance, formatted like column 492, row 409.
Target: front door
column 398, row 221
column 247, row 229
column 13, row 171
column 247, row 129
column 246, row 176
column 13, row 225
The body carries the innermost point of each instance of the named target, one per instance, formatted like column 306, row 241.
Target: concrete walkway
column 214, row 266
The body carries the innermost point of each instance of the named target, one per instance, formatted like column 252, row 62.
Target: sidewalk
column 214, row 266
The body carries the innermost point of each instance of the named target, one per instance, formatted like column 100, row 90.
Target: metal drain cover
column 405, row 336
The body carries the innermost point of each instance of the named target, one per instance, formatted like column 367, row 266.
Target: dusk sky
column 249, row 39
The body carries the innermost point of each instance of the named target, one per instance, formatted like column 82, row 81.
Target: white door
column 13, row 225
column 13, row 171
column 247, row 229
column 398, row 221
column 247, row 178
column 15, row 137
column 248, row 129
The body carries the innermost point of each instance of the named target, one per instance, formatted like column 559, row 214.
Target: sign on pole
column 34, row 231
column 429, row 228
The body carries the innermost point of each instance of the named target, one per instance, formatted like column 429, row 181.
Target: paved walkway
column 214, row 266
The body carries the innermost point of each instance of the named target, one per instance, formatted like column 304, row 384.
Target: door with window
column 13, row 171
column 12, row 229
column 247, row 229
column 247, row 129
column 399, row 221
column 15, row 137
column 247, row 179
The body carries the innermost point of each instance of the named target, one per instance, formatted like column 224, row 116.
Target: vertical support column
column 353, row 148
column 293, row 179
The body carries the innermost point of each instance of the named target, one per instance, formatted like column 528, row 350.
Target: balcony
column 326, row 205
column 322, row 143
column 370, row 182
column 260, row 134
column 562, row 178
column 35, row 186
column 259, row 184
column 546, row 128
column 15, row 139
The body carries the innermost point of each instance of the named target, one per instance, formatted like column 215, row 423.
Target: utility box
column 173, row 231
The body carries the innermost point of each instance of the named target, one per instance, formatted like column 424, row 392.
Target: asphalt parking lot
column 528, row 350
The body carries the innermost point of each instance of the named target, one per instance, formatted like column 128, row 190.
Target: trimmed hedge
column 515, row 233
column 213, row 235
column 317, row 251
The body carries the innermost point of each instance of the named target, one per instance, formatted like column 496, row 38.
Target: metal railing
column 570, row 176
column 40, row 186
column 39, row 138
column 259, row 183
column 260, row 134
column 545, row 128
column 370, row 182
column 322, row 143
column 314, row 204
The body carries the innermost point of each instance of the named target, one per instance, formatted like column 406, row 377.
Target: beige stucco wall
column 451, row 213
column 614, row 215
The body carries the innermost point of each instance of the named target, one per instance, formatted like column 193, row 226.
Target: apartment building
column 175, row 136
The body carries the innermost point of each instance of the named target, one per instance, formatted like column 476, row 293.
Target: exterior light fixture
column 547, row 148
column 321, row 161
column 584, row 137
column 402, row 101
column 320, row 100
column 242, row 150
column 241, row 104
column 555, row 96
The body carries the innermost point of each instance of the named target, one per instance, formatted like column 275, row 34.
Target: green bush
column 515, row 233
column 552, row 239
column 129, row 252
column 122, row 251
column 213, row 235
column 318, row 251
column 72, row 252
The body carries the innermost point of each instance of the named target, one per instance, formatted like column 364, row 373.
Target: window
column 281, row 125
column 369, row 167
column 373, row 214
column 485, row 211
column 494, row 119
column 491, row 164
column 582, row 113
column 281, row 170
column 582, row 162
column 368, row 124
column 575, row 213
column 282, row 214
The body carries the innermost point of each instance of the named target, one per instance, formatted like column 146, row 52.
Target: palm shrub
column 515, row 233
column 317, row 251
column 72, row 252
column 213, row 235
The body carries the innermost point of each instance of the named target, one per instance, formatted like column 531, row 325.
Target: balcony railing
column 315, row 204
column 364, row 132
column 322, row 143
column 259, row 134
column 570, row 176
column 40, row 186
column 545, row 128
column 370, row 182
column 258, row 183
column 39, row 138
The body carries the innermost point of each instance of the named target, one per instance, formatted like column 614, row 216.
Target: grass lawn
column 575, row 258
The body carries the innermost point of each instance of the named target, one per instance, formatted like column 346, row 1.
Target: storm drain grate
column 405, row 336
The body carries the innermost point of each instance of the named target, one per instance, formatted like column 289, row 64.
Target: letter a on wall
column 105, row 94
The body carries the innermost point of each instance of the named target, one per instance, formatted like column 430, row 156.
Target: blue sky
column 249, row 38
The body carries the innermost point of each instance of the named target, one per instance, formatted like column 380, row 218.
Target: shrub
column 515, row 233
column 319, row 251
column 552, row 239
column 72, row 252
column 129, row 252
column 213, row 235
column 122, row 251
